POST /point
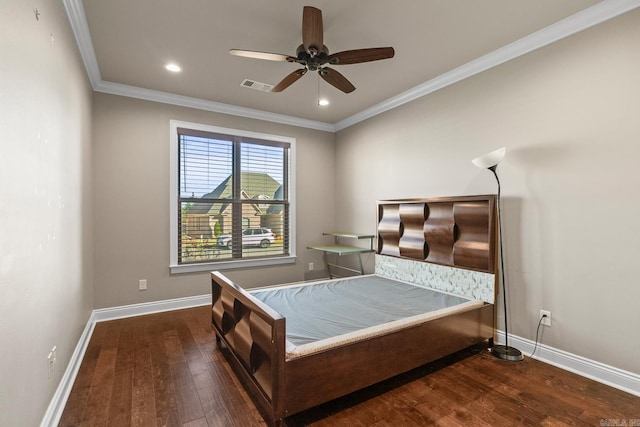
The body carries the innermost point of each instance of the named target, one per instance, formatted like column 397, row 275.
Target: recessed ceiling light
column 323, row 102
column 173, row 67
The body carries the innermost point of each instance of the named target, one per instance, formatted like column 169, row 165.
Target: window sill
column 226, row 265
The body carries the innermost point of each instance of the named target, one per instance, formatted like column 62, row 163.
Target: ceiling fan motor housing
column 312, row 60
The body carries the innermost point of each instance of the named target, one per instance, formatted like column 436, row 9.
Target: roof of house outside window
column 255, row 185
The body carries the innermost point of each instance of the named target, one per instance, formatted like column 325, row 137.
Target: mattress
column 321, row 315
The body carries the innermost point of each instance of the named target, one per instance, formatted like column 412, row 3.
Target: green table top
column 340, row 249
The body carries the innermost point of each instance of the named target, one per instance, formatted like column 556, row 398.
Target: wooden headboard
column 454, row 231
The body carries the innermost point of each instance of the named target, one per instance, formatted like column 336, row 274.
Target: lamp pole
column 490, row 161
column 503, row 352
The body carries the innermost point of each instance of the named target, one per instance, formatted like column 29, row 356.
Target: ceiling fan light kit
column 314, row 55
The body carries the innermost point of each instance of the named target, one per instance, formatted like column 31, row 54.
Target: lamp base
column 503, row 352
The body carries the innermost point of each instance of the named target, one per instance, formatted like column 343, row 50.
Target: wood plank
column 143, row 402
column 156, row 342
column 142, row 348
column 186, row 395
column 74, row 410
column 173, row 347
column 165, row 397
column 175, row 368
column 199, row 373
column 216, row 413
column 476, row 393
column 200, row 422
column 126, row 347
column 97, row 408
column 190, row 348
column 120, row 401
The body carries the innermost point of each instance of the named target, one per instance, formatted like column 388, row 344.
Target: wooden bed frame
column 455, row 231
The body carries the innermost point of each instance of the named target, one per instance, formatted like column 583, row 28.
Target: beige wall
column 131, row 187
column 569, row 117
column 45, row 205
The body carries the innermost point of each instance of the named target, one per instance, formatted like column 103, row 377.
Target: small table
column 339, row 249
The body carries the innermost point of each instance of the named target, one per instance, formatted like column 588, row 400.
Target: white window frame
column 174, row 267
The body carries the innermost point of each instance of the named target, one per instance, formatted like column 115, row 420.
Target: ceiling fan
column 314, row 55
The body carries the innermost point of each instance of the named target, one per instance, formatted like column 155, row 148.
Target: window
column 231, row 199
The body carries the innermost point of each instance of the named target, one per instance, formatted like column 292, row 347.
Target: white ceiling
column 126, row 43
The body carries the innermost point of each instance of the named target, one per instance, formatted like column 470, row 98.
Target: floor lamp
column 490, row 161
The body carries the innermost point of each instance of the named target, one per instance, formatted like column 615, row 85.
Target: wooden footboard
column 254, row 341
column 335, row 372
column 254, row 336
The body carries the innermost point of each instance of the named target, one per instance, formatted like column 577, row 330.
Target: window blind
column 233, row 197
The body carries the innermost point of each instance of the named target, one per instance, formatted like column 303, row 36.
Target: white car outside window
column 262, row 237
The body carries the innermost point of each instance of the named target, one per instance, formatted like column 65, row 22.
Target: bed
column 426, row 248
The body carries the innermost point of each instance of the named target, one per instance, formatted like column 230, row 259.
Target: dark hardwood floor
column 165, row 370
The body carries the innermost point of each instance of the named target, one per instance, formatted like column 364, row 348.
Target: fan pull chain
column 321, row 102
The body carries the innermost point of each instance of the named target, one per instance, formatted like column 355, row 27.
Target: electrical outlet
column 142, row 284
column 547, row 320
column 310, row 266
column 51, row 361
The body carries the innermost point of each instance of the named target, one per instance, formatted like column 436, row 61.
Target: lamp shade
column 491, row 159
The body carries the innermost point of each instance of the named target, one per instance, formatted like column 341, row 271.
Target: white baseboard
column 113, row 313
column 600, row 372
column 56, row 406
column 609, row 375
column 59, row 400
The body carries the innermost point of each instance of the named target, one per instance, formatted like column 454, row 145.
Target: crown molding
column 575, row 23
column 203, row 104
column 78, row 20
column 580, row 21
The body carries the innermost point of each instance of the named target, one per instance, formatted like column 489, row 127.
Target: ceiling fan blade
column 336, row 79
column 312, row 31
column 360, row 55
column 262, row 55
column 289, row 80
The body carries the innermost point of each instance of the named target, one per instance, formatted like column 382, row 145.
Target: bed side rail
column 254, row 334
